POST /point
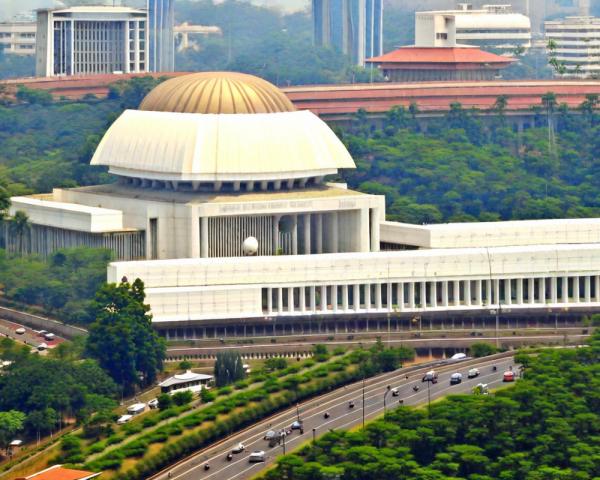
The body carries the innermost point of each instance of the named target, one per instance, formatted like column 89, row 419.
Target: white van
column 124, row 419
column 136, row 408
column 257, row 456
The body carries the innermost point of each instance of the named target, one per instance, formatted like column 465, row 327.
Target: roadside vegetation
column 159, row 437
column 546, row 427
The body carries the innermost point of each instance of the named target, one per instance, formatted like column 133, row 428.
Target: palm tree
column 19, row 226
column 588, row 106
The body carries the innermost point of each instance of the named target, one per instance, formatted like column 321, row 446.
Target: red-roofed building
column 423, row 64
column 57, row 472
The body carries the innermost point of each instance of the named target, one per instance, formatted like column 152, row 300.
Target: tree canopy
column 546, row 427
column 121, row 337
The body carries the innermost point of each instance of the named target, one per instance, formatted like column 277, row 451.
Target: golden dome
column 217, row 92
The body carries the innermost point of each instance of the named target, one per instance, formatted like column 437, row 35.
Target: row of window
column 397, row 296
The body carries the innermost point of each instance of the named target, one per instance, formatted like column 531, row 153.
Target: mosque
column 227, row 204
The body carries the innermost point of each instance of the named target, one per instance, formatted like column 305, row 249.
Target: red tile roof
column 439, row 55
column 57, row 472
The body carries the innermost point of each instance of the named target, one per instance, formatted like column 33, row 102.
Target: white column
column 368, row 296
column 531, row 289
column 508, row 291
column 345, row 298
column 295, row 235
column 542, row 290
column 496, row 291
column 554, row 288
column 423, row 295
column 576, row 289
column 433, row 292
column 333, row 232
column 302, row 299
column 445, row 293
column 356, row 290
column 400, row 295
column 195, row 233
column 290, row 294
column 324, row 298
column 488, row 293
column 519, row 291
column 378, row 302
column 275, row 240
column 269, row 301
column 468, row 292
column 597, row 288
column 456, row 293
column 588, row 289
column 565, row 290
column 279, row 300
column 389, row 297
column 307, row 233
column 313, row 299
column 411, row 295
column 334, row 297
column 374, row 229
column 204, row 237
column 319, row 233
column 478, row 292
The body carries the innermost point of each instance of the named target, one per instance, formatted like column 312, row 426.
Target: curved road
column 341, row 417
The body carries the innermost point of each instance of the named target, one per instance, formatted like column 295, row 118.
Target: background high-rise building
column 91, row 40
column 577, row 45
column 161, row 17
column 354, row 27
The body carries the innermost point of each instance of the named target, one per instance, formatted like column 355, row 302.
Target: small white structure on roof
column 188, row 381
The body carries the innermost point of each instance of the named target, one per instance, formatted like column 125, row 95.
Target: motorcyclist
column 326, row 415
column 206, row 466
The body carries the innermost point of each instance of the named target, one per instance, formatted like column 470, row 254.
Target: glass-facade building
column 353, row 27
column 161, row 17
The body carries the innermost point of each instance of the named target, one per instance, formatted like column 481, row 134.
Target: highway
column 336, row 403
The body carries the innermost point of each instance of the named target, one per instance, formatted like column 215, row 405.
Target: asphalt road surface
column 341, row 416
column 31, row 337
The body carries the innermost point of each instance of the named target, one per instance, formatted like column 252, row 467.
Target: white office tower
column 222, row 207
column 577, row 45
column 91, row 40
column 17, row 36
column 494, row 27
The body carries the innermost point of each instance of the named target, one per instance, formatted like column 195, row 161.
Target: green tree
column 182, row 398
column 122, row 338
column 229, row 368
column 164, row 401
column 41, row 421
column 11, row 423
column 19, row 227
column 481, row 349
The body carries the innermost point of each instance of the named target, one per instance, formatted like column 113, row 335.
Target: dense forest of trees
column 468, row 166
column 546, row 427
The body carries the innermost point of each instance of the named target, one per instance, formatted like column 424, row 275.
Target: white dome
column 179, row 147
column 250, row 246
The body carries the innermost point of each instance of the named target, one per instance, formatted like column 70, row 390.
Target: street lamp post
column 314, row 435
column 388, row 388
column 284, row 435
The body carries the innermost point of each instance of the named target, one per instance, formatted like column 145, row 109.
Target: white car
column 42, row 346
column 474, row 372
column 124, row 419
column 459, row 356
column 297, row 425
column 20, row 331
column 395, row 392
column 49, row 336
column 455, row 378
column 239, row 448
column 482, row 388
column 153, row 403
column 257, row 456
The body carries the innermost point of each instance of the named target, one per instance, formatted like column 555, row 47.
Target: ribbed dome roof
column 217, row 92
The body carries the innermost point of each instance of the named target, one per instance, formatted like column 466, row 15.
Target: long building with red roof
column 418, row 64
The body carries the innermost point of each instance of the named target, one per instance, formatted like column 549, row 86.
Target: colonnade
column 424, row 295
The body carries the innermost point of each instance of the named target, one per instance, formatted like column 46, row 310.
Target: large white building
column 223, row 205
column 577, row 41
column 91, row 40
column 493, row 26
column 18, row 37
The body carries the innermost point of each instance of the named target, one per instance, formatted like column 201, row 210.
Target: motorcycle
column 229, row 457
column 326, row 415
column 494, row 368
column 206, row 466
column 416, row 388
column 351, row 405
